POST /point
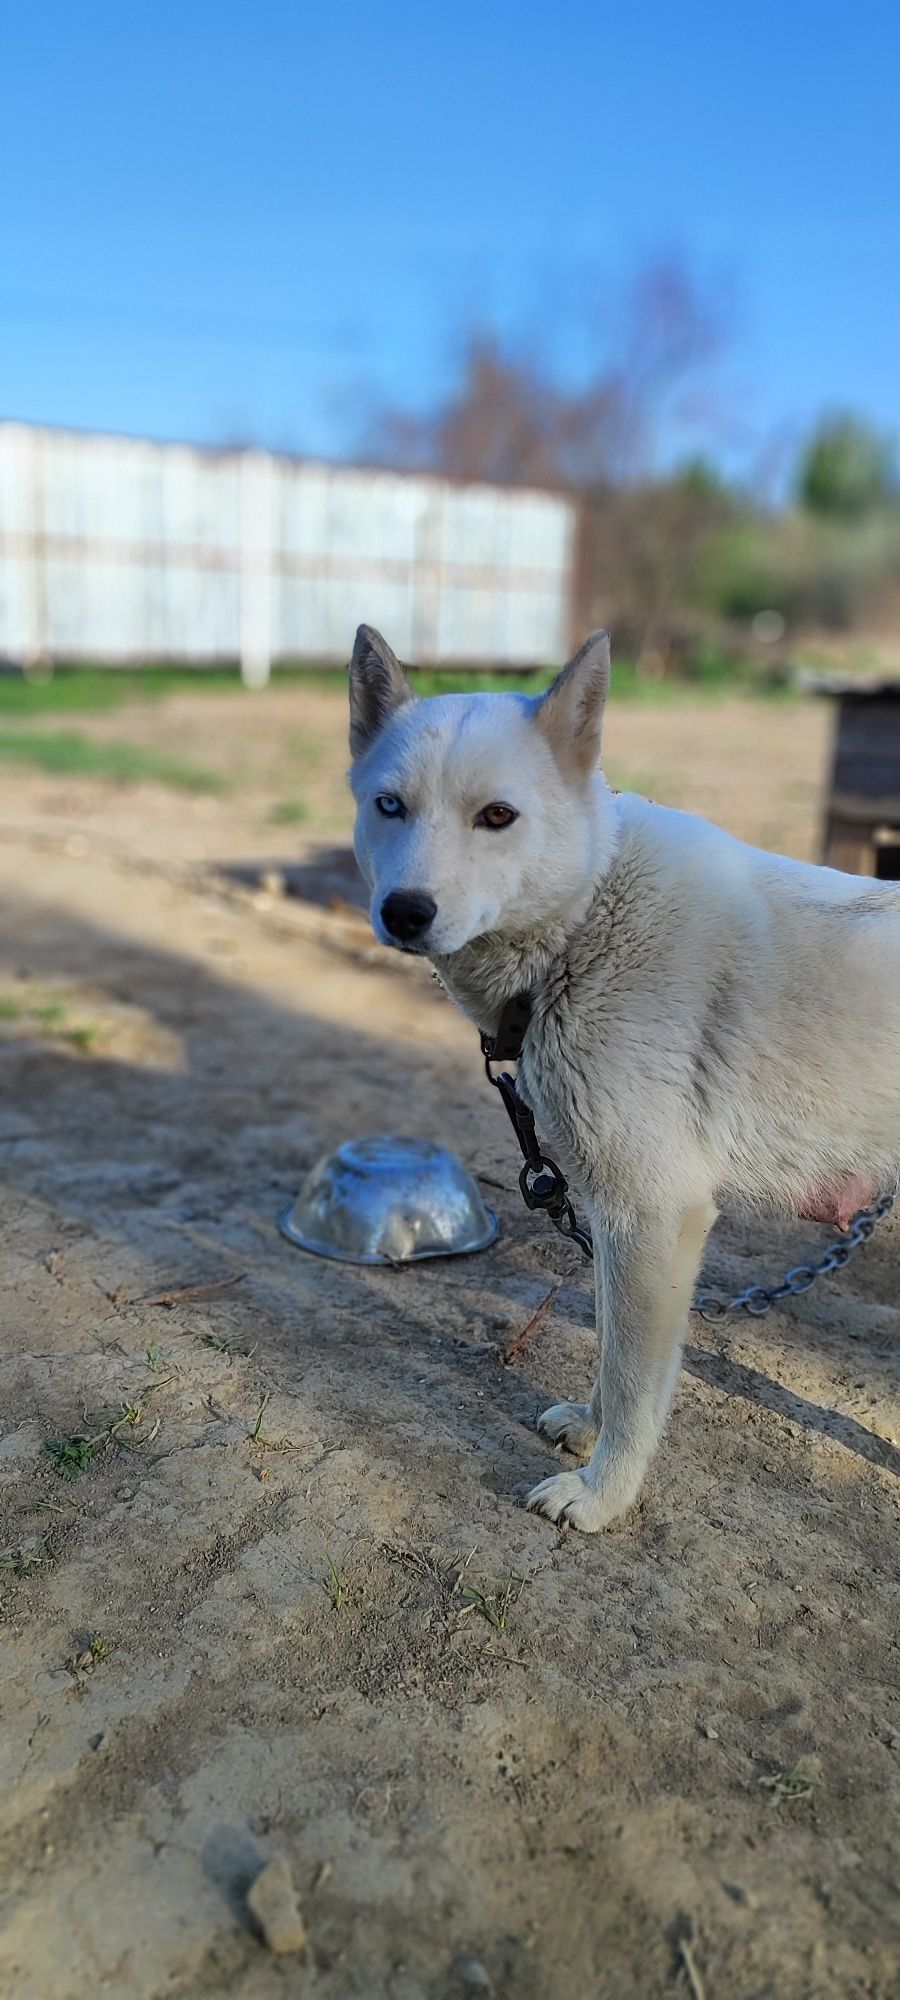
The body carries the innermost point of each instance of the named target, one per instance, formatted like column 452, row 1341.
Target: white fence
column 116, row 549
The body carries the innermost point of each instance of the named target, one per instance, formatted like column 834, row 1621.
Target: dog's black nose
column 407, row 913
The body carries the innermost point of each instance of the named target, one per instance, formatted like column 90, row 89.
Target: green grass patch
column 91, row 690
column 288, row 812
column 788, row 1786
column 72, row 1455
column 65, row 754
column 24, row 1557
column 493, row 1605
column 335, row 1585
column 51, row 1014
column 51, row 1018
column 708, row 674
column 83, row 1039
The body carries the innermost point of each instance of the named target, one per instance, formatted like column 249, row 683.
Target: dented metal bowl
column 385, row 1200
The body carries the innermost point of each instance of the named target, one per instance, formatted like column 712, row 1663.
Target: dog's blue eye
column 390, row 806
column 496, row 816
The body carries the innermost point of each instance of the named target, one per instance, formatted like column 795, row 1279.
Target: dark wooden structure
column 862, row 821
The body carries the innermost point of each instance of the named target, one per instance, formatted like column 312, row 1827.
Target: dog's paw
column 562, row 1500
column 575, row 1500
column 569, row 1424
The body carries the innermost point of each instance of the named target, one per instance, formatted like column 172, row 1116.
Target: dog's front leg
column 644, row 1282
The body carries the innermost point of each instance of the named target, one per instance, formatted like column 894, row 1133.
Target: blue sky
column 225, row 222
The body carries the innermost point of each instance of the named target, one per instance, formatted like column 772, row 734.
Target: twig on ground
column 207, row 1290
column 692, row 1969
column 258, row 1436
column 514, row 1346
column 229, row 1345
column 461, row 1572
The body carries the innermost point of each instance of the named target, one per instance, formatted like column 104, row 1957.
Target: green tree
column 847, row 469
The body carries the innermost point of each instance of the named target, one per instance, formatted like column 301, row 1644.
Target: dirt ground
column 288, row 1603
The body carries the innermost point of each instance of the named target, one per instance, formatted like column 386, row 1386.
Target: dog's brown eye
column 496, row 816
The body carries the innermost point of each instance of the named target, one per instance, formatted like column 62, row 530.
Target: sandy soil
column 291, row 1607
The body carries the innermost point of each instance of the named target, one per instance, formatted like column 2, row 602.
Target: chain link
column 759, row 1299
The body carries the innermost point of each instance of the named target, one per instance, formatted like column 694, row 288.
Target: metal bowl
column 389, row 1201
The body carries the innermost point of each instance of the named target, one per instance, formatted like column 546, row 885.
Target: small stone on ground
column 273, row 1902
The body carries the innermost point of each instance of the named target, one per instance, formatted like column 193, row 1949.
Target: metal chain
column 759, row 1299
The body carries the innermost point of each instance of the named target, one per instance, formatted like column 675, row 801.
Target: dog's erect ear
column 378, row 685
column 571, row 712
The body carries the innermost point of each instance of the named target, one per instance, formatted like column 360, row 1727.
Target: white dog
column 711, row 1026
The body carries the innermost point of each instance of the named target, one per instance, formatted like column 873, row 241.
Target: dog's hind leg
column 646, row 1275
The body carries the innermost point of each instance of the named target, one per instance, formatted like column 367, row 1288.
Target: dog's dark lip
column 408, row 950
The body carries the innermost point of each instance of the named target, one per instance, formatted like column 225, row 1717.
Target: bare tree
column 513, row 417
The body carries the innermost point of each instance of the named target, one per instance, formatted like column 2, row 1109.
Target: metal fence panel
column 120, row 549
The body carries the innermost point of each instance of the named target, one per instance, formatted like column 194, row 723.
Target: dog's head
column 476, row 813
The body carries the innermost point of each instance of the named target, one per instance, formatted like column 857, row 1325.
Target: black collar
column 505, row 1045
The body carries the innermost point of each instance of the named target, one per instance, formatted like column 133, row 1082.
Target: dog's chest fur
column 680, row 1039
column 633, row 1040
